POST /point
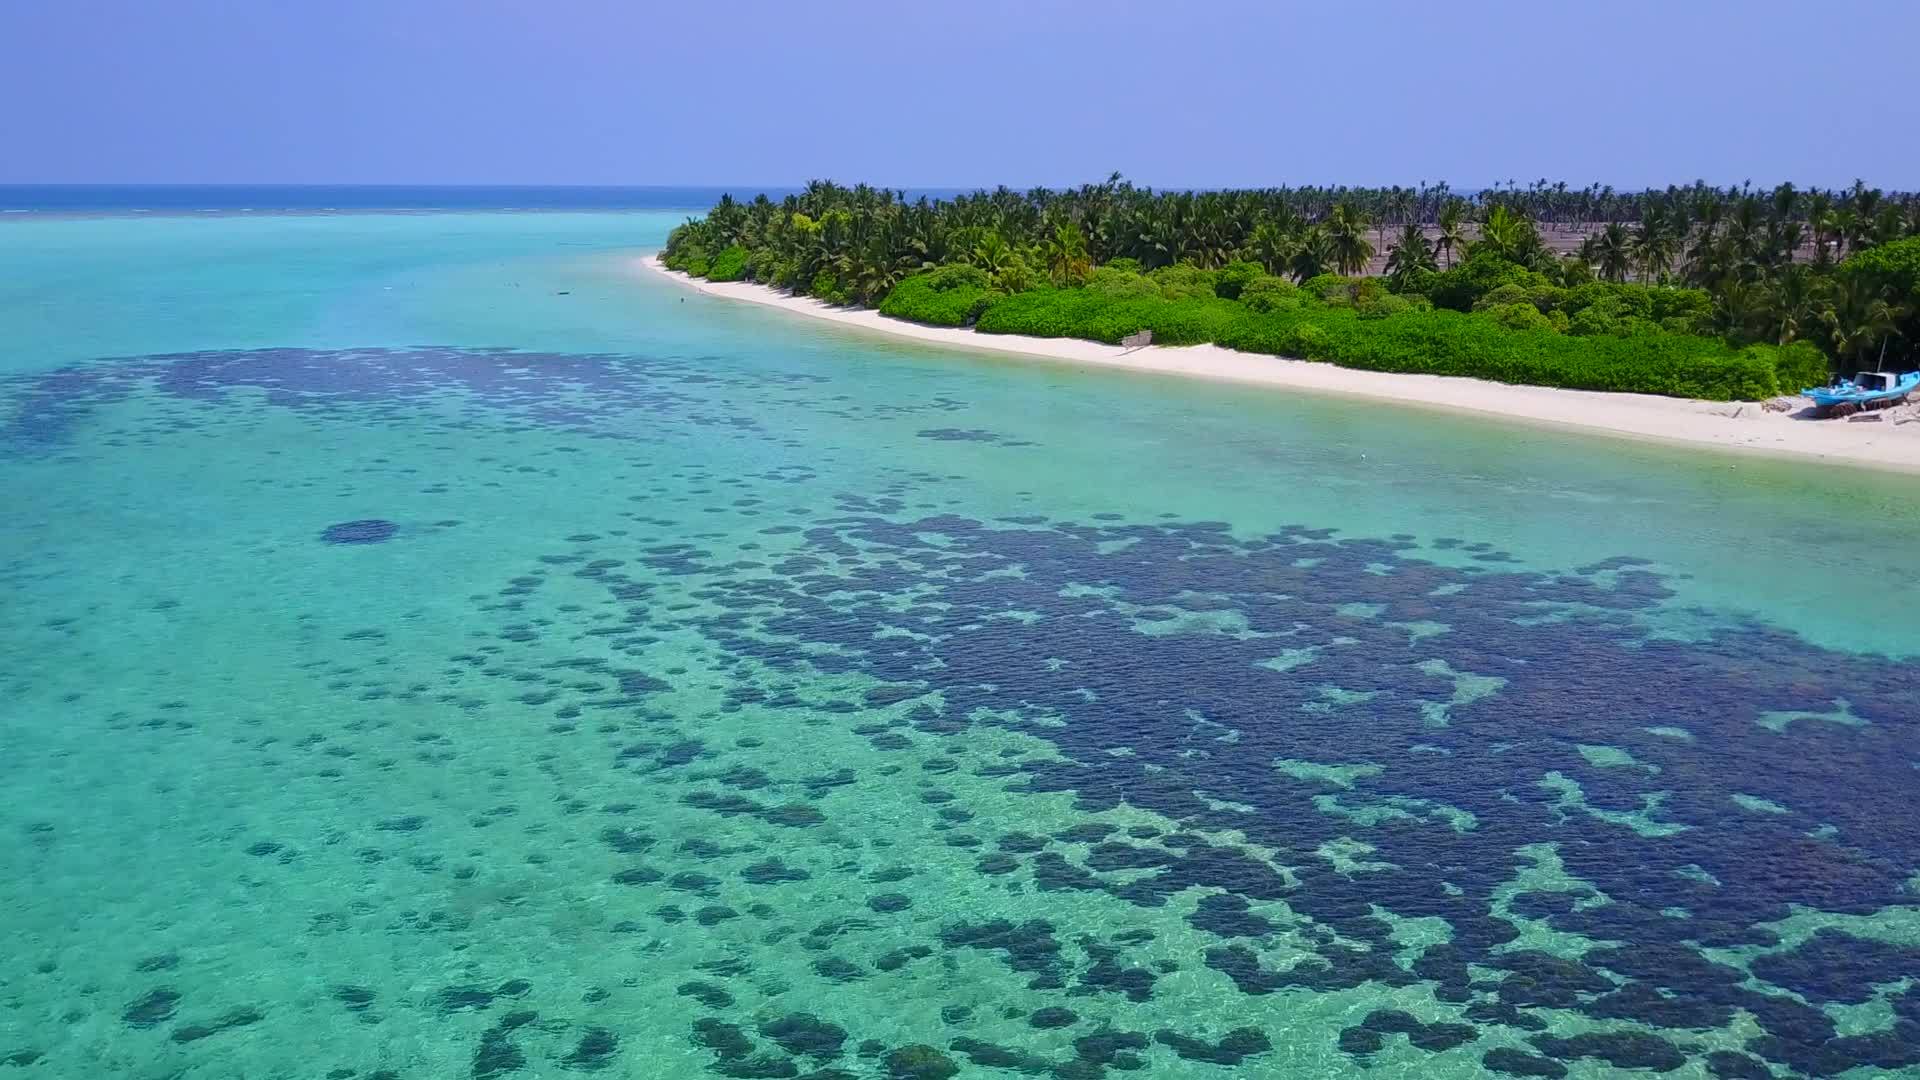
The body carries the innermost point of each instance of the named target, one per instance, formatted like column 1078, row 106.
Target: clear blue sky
column 1175, row 92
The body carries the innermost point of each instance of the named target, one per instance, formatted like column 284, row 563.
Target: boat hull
column 1850, row 397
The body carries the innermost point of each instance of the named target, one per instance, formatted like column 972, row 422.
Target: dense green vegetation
column 950, row 296
column 1355, row 323
column 1711, row 293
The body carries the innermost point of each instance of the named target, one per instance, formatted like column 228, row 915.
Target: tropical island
column 1698, row 293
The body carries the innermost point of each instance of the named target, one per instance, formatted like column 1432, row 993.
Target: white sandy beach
column 1891, row 442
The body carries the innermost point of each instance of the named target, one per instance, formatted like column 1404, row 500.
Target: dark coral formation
column 152, row 1008
column 364, row 531
column 1382, row 732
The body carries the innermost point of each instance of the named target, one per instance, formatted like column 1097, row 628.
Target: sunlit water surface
column 433, row 649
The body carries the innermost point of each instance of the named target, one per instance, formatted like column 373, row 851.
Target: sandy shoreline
column 1741, row 427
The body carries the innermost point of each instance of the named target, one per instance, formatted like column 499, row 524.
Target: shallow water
column 433, row 649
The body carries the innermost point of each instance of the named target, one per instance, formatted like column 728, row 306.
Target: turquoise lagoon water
column 434, row 648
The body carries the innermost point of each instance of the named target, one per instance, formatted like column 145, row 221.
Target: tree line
column 1775, row 266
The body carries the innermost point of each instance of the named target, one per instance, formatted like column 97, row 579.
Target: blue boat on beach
column 1867, row 390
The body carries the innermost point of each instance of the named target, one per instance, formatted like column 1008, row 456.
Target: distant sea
column 281, row 198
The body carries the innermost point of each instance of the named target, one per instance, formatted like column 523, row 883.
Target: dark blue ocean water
column 179, row 198
column 190, row 198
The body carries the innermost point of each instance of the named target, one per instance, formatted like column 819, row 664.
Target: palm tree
column 1844, row 224
column 1741, row 308
column 1209, row 239
column 725, row 222
column 1346, row 229
column 1314, row 254
column 1784, row 237
column 1411, row 254
column 1746, row 240
column 1702, row 258
column 1785, row 199
column 1401, row 204
column 1273, row 246
column 1572, row 271
column 1796, row 304
column 991, row 254
column 1888, row 224
column 1857, row 317
column 1613, row 252
column 1820, row 223
column 874, row 272
column 1509, row 235
column 1066, row 255
column 1865, row 204
column 1398, row 205
column 1452, row 222
column 1653, row 242
column 1160, row 244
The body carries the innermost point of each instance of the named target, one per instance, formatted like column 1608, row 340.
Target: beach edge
column 1738, row 428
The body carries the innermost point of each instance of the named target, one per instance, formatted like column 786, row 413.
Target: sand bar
column 1890, row 443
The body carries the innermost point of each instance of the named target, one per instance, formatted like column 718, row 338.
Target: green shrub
column 786, row 274
column 1440, row 342
column 1120, row 283
column 729, row 265
column 1451, row 343
column 765, row 266
column 1632, row 310
column 1636, row 301
column 1081, row 313
column 958, row 276
column 1520, row 316
column 1504, row 296
column 1269, row 293
column 1415, row 338
column 1380, row 304
column 1543, row 298
column 1585, row 296
column 682, row 252
column 1692, row 305
column 1330, row 288
column 1359, row 293
column 1618, row 301
column 1017, row 275
column 1893, row 267
column 826, row 286
column 1414, row 282
column 1234, row 277
column 1184, row 281
column 1594, row 321
column 1796, row 366
column 950, row 296
column 695, row 264
column 1477, row 276
column 1124, row 264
